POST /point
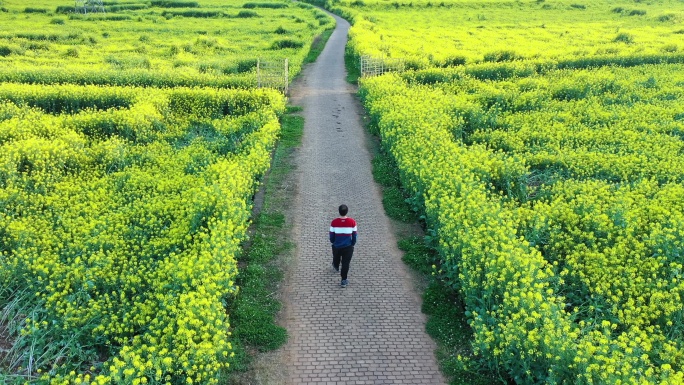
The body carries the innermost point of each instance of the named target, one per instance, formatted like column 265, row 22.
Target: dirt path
column 371, row 332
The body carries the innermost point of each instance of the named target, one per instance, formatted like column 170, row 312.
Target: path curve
column 371, row 332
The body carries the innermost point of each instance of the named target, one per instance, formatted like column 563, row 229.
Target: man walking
column 343, row 239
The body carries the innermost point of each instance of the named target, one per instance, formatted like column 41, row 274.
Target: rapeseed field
column 158, row 43
column 131, row 144
column 447, row 33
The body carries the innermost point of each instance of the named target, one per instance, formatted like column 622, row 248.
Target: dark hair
column 343, row 209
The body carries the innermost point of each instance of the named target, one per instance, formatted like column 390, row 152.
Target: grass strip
column 394, row 199
column 253, row 312
column 318, row 45
column 351, row 61
column 447, row 323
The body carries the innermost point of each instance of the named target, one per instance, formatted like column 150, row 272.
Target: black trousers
column 343, row 255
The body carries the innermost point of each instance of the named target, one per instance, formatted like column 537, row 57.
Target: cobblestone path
column 371, row 332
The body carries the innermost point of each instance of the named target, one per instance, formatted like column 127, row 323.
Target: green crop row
column 569, row 32
column 568, row 277
column 122, row 211
column 161, row 44
column 127, row 77
column 580, row 124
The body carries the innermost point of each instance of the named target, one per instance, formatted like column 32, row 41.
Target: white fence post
column 287, row 74
column 274, row 74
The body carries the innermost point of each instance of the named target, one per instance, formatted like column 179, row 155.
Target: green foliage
column 447, row 322
column 246, row 65
column 55, row 100
column 286, row 43
column 453, row 61
column 126, row 7
column 419, row 257
column 174, row 4
column 99, row 17
column 170, row 56
column 670, row 48
column 317, row 46
column 72, row 52
column 255, row 307
column 500, row 71
column 351, row 63
column 162, row 175
column 502, row 56
column 394, row 200
column 35, row 10
column 265, row 5
column 71, row 37
column 247, row 14
column 293, row 128
column 153, row 186
column 193, row 13
column 624, row 37
column 667, row 17
column 502, row 32
column 133, row 74
column 560, row 177
column 64, row 9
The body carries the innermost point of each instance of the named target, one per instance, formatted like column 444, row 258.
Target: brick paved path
column 371, row 332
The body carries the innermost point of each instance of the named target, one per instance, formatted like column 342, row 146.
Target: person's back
column 344, row 229
column 343, row 235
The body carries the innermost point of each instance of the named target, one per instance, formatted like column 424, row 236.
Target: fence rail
column 374, row 66
column 273, row 74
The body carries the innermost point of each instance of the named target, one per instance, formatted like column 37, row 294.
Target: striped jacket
column 343, row 232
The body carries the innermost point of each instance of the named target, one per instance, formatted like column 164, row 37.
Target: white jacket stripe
column 342, row 230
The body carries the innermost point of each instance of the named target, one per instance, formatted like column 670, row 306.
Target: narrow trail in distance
column 373, row 331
